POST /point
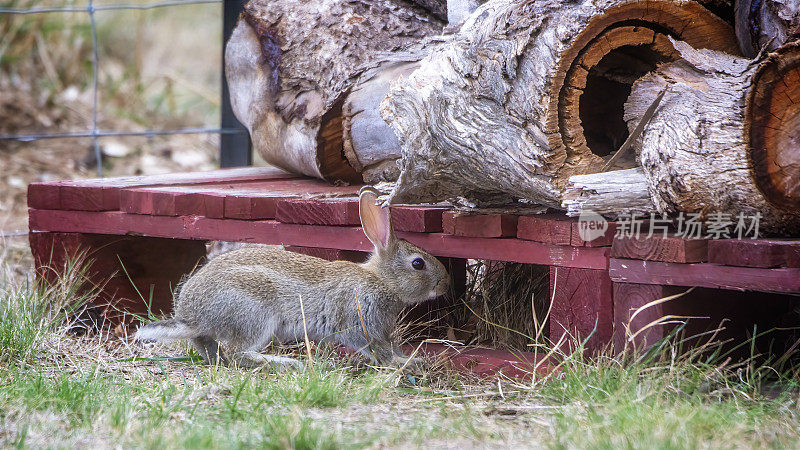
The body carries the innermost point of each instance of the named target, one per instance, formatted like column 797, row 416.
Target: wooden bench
column 152, row 230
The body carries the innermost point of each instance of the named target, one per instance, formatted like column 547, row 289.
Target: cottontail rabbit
column 237, row 303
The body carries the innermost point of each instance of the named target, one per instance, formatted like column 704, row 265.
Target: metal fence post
column 235, row 148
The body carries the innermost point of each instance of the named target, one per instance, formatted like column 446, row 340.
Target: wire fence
column 94, row 133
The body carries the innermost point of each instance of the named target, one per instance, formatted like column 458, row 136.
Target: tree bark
column 726, row 137
column 766, row 24
column 615, row 192
column 529, row 93
column 291, row 67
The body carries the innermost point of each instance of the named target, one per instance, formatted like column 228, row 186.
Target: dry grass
column 159, row 69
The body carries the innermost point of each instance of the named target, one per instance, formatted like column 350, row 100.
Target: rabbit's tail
column 165, row 331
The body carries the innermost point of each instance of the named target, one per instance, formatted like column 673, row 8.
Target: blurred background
column 158, row 69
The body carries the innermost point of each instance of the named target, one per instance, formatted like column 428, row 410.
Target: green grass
column 99, row 392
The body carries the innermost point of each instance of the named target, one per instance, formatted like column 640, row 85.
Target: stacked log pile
column 605, row 105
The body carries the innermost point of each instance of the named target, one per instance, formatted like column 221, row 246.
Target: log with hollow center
column 529, row 93
column 725, row 140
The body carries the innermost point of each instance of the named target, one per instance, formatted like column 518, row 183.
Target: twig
column 305, row 334
column 636, row 131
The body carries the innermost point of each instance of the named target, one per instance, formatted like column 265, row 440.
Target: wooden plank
column 629, row 297
column 44, row 195
column 548, row 228
column 417, row 219
column 330, row 254
column 345, row 238
column 102, row 194
column 669, row 249
column 604, row 240
column 479, row 225
column 484, row 362
column 322, row 211
column 751, row 252
column 172, row 201
column 581, row 306
column 793, row 256
column 785, row 280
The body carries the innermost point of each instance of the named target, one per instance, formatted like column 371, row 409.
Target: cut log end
column 330, row 148
column 615, row 49
column 772, row 125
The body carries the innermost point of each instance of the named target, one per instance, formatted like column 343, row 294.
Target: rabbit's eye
column 418, row 263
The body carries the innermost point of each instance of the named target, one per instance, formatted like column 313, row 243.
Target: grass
column 58, row 390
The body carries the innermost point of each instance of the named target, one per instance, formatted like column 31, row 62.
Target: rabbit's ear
column 376, row 221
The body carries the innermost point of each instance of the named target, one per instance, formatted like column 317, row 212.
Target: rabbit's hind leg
column 210, row 350
column 252, row 359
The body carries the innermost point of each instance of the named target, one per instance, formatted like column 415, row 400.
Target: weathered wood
column 765, row 24
column 700, row 152
column 751, row 252
column 529, row 93
column 582, row 306
column 615, row 192
column 479, row 225
column 786, row 280
column 345, row 238
column 656, row 248
column 335, row 211
column 772, row 124
column 291, row 67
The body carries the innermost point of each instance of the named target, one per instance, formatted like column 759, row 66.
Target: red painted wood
column 548, row 228
column 602, row 241
column 669, row 249
column 479, row 225
column 581, row 306
column 250, row 207
column 333, row 211
column 751, row 252
column 44, row 195
column 417, row 219
column 793, row 256
column 172, row 201
column 330, row 254
column 628, row 298
column 102, row 194
column 706, row 275
column 486, row 362
column 346, row 238
column 117, row 264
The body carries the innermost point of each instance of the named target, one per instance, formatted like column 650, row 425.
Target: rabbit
column 240, row 301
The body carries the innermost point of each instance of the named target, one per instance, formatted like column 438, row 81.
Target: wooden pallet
column 594, row 285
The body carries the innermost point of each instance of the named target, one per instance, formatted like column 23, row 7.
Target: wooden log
column 529, row 93
column 726, row 137
column 615, row 192
column 306, row 78
column 766, row 24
